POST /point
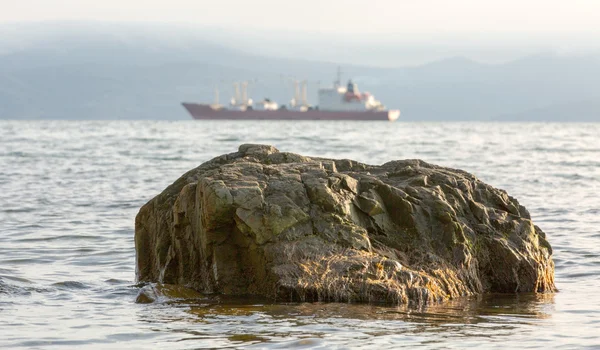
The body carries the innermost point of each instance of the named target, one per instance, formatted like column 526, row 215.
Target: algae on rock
column 290, row 227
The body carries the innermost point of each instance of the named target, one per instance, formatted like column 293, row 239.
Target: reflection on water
column 230, row 321
column 463, row 310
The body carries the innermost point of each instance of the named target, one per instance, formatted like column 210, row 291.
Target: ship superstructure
column 335, row 103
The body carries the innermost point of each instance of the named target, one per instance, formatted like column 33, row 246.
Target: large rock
column 290, row 227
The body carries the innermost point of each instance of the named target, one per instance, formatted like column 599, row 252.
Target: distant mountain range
column 107, row 72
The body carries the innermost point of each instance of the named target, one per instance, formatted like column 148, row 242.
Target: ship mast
column 296, row 93
column 338, row 81
column 245, row 93
column 236, row 89
column 304, row 93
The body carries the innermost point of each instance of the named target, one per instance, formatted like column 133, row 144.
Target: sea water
column 69, row 193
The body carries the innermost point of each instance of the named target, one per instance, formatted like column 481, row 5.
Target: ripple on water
column 18, row 210
column 16, row 290
column 70, row 285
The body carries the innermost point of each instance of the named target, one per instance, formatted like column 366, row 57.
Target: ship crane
column 299, row 100
column 304, row 94
column 235, row 100
column 240, row 96
column 296, row 98
column 244, row 93
column 217, row 105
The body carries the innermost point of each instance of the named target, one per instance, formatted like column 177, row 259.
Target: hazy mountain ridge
column 108, row 74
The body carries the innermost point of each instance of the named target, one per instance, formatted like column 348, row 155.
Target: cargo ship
column 335, row 103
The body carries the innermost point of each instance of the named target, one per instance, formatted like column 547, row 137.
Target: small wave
column 573, row 176
column 30, row 226
column 70, row 285
column 18, row 210
column 124, row 205
column 120, row 292
column 15, row 279
column 84, row 205
column 22, row 261
column 577, row 275
column 542, row 218
column 16, row 290
column 309, row 138
column 550, row 150
column 58, row 342
column 6, row 288
column 592, row 211
column 228, row 139
column 171, row 159
column 59, row 238
column 115, row 281
column 145, row 139
column 18, row 154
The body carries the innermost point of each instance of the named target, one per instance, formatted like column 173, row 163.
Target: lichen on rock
column 291, row 227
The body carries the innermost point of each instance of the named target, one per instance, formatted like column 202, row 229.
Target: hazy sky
column 358, row 16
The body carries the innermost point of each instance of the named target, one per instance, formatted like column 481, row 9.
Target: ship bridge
column 348, row 99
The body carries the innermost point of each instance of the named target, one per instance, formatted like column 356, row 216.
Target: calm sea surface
column 69, row 192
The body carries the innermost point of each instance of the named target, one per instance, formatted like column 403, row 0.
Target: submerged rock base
column 290, row 227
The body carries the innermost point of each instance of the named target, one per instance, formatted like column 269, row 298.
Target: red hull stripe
column 203, row 111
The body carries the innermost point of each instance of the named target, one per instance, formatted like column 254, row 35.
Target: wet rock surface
column 291, row 227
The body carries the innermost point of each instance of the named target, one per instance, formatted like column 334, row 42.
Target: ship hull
column 207, row 112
